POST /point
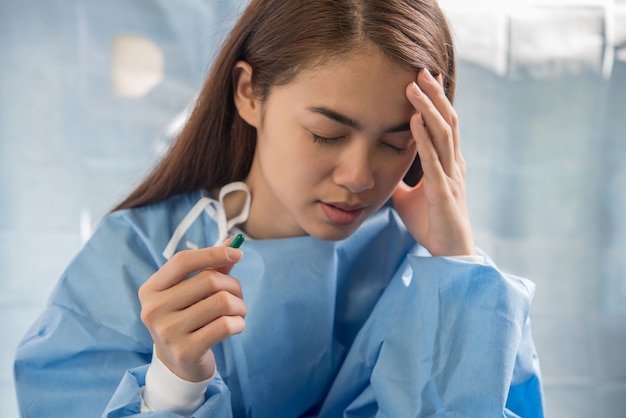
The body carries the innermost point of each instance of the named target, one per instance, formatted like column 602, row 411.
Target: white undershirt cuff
column 165, row 391
column 476, row 259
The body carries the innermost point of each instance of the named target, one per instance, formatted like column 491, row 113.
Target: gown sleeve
column 88, row 353
column 455, row 341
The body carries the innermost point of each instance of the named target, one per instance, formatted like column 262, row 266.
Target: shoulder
column 167, row 211
column 144, row 229
column 123, row 252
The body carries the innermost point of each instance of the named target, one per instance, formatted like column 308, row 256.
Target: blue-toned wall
column 542, row 101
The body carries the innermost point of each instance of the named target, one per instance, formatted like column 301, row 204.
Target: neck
column 267, row 219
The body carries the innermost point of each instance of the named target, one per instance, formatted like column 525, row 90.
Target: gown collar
column 215, row 209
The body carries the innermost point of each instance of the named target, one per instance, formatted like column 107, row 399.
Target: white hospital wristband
column 164, row 391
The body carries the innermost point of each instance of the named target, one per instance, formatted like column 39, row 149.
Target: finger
column 412, row 207
column 228, row 268
column 402, row 193
column 428, row 154
column 439, row 79
column 433, row 87
column 173, row 326
column 198, row 287
column 218, row 330
column 210, row 309
column 436, row 128
column 186, row 262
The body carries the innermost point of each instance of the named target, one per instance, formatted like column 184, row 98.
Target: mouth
column 341, row 213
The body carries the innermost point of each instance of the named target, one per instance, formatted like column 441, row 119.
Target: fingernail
column 416, row 88
column 233, row 254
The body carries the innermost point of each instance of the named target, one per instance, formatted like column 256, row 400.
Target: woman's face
column 332, row 146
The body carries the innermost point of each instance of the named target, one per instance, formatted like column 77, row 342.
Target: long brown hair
column 279, row 38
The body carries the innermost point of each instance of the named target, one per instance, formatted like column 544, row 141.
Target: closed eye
column 325, row 140
column 399, row 150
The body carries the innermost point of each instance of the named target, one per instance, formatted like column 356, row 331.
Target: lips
column 341, row 213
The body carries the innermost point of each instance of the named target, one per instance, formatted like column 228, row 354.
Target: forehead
column 363, row 84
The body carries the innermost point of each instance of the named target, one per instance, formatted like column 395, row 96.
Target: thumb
column 400, row 194
column 233, row 254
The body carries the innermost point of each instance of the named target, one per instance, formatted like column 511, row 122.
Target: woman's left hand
column 435, row 210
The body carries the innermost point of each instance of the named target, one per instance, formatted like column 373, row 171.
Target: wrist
column 165, row 391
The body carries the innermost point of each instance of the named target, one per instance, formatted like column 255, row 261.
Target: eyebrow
column 345, row 120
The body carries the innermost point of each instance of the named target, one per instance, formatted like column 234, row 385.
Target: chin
column 333, row 232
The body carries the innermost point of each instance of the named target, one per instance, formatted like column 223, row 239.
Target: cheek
column 288, row 142
column 394, row 171
column 288, row 156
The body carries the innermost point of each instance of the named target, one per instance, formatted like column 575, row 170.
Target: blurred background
column 91, row 93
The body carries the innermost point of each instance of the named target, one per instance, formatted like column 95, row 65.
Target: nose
column 355, row 170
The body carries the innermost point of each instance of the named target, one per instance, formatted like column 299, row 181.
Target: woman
column 359, row 294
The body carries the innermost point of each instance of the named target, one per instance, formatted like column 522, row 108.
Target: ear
column 248, row 107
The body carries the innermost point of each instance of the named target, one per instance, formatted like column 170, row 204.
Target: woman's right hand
column 189, row 305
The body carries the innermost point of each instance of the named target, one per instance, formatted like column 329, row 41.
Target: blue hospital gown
column 371, row 326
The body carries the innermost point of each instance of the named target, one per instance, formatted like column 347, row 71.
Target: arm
column 456, row 342
column 435, row 210
column 189, row 305
column 90, row 337
column 447, row 338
